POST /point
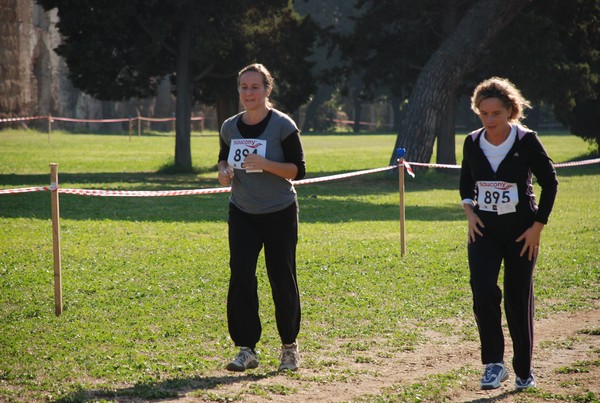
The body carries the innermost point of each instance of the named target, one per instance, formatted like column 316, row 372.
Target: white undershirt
column 495, row 154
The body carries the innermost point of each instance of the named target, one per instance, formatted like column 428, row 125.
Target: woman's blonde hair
column 506, row 92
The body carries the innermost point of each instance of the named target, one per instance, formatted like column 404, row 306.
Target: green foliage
column 381, row 48
column 117, row 50
column 584, row 120
column 563, row 69
column 145, row 279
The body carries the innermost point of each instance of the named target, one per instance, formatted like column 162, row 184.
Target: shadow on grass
column 503, row 397
column 144, row 180
column 164, row 389
column 347, row 204
column 207, row 208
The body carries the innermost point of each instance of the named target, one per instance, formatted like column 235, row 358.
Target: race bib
column 497, row 196
column 240, row 148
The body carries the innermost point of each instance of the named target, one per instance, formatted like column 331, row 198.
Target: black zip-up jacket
column 527, row 156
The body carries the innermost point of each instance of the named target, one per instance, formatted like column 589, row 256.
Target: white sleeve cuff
column 467, row 201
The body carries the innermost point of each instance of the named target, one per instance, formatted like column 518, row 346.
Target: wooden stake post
column 56, row 239
column 400, row 155
column 130, row 127
column 49, row 126
column 139, row 125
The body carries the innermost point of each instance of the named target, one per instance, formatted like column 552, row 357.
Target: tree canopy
column 548, row 48
column 118, row 50
column 422, row 55
column 552, row 51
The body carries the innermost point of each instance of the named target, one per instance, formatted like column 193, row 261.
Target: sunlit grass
column 145, row 279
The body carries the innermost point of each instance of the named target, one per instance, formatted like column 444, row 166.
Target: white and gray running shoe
column 245, row 359
column 290, row 358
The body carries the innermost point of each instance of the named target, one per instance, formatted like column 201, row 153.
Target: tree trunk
column 446, row 144
column 533, row 118
column 227, row 104
column 357, row 113
column 310, row 118
column 442, row 74
column 446, row 134
column 396, row 113
column 183, row 104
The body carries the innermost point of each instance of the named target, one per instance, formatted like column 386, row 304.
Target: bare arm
column 285, row 170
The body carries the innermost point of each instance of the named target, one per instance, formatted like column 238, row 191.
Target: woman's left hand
column 531, row 238
column 255, row 161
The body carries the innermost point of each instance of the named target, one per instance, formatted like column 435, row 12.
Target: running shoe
column 494, row 375
column 290, row 358
column 245, row 359
column 521, row 384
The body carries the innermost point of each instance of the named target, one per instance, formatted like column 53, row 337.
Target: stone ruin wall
column 33, row 78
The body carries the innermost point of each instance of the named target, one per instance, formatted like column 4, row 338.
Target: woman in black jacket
column 504, row 224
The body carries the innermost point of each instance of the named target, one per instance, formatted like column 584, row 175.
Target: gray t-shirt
column 262, row 193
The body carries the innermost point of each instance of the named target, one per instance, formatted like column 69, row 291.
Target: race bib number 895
column 240, row 148
column 497, row 196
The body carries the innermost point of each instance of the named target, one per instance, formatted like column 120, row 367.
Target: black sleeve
column 467, row 184
column 293, row 152
column 543, row 169
column 223, row 150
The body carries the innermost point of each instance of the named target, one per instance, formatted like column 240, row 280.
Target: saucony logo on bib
column 495, row 185
column 247, row 143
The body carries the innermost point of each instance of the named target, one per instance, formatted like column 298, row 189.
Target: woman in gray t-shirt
column 260, row 154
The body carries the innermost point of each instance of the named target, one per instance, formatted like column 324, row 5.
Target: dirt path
column 561, row 343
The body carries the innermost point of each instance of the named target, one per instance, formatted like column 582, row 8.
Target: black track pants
column 248, row 233
column 485, row 257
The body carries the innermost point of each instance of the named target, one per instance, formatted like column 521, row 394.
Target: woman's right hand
column 474, row 223
column 225, row 176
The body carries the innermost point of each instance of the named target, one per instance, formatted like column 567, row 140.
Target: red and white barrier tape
column 423, row 164
column 143, row 193
column 577, row 163
column 156, row 119
column 90, row 120
column 54, row 118
column 166, row 119
column 22, row 119
column 560, row 165
column 342, row 176
column 133, row 193
column 408, row 168
column 150, row 193
column 27, row 190
column 159, row 193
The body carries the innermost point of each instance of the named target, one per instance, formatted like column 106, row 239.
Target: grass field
column 145, row 279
